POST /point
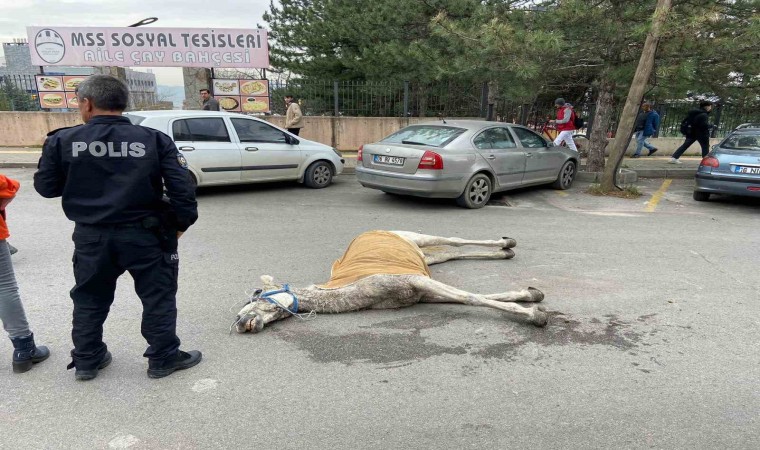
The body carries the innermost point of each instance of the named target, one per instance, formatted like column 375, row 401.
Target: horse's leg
column 437, row 292
column 436, row 255
column 426, row 240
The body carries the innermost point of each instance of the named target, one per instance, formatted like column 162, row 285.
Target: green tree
column 12, row 98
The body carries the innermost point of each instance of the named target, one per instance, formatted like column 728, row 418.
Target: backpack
column 686, row 126
column 578, row 122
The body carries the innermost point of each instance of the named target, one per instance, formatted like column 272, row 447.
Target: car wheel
column 476, row 193
column 701, row 196
column 565, row 177
column 318, row 175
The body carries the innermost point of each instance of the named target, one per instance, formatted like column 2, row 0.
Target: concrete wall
column 24, row 129
column 28, row 129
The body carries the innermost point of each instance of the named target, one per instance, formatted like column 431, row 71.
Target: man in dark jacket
column 650, row 123
column 111, row 176
column 699, row 131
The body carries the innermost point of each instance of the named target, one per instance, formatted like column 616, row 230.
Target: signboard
column 58, row 91
column 156, row 47
column 242, row 95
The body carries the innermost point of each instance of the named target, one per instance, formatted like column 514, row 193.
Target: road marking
column 562, row 193
column 657, row 196
column 123, row 441
column 206, row 384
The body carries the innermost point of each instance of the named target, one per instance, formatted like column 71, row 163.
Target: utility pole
column 635, row 95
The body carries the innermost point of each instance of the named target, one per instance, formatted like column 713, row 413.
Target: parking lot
column 651, row 342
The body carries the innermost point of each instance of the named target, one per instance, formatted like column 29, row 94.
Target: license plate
column 391, row 160
column 749, row 170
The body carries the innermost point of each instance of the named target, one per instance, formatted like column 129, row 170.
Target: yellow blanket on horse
column 373, row 253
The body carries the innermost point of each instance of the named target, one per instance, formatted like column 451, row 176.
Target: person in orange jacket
column 25, row 352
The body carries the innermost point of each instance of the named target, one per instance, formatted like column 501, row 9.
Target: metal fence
column 380, row 99
column 449, row 98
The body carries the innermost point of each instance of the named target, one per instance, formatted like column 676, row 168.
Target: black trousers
column 294, row 131
column 102, row 253
column 704, row 142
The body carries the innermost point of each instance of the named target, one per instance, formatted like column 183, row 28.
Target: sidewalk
column 644, row 167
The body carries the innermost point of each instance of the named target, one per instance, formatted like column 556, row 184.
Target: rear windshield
column 742, row 142
column 134, row 119
column 429, row 135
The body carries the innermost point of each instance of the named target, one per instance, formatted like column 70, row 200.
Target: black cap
column 560, row 102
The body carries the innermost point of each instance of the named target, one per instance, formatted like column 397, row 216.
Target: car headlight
column 337, row 152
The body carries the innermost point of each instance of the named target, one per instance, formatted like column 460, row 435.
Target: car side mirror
column 291, row 140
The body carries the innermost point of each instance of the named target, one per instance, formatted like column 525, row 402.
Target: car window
column 529, row 139
column 200, row 130
column 495, row 138
column 429, row 135
column 254, row 131
column 742, row 142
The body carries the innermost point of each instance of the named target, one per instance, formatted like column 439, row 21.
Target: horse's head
column 259, row 311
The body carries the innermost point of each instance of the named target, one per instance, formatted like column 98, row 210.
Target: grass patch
column 629, row 191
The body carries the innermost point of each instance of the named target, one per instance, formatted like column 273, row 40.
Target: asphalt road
column 652, row 341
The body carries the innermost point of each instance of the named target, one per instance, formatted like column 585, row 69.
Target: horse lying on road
column 386, row 270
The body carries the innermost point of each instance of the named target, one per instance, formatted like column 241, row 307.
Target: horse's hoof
column 508, row 253
column 540, row 318
column 535, row 294
column 509, row 242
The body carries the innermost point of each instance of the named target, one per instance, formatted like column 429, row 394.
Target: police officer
column 109, row 173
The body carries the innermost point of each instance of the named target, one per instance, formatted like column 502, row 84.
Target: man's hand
column 4, row 202
column 179, row 234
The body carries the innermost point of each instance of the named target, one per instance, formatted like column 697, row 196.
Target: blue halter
column 285, row 290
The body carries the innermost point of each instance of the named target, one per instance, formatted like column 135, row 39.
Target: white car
column 229, row 148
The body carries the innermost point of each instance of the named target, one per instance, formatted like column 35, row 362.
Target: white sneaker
column 674, row 161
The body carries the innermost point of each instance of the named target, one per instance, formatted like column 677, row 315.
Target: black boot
column 91, row 374
column 25, row 353
column 164, row 368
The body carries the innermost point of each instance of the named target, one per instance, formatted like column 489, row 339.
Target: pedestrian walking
column 649, row 126
column 565, row 124
column 696, row 128
column 25, row 352
column 293, row 116
column 111, row 176
column 209, row 102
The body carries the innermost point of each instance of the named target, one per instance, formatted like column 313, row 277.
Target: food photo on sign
column 52, row 99
column 226, row 87
column 48, row 83
column 254, row 87
column 255, row 104
column 229, row 103
column 71, row 100
column 70, row 83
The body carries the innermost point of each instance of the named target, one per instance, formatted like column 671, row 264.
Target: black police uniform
column 109, row 173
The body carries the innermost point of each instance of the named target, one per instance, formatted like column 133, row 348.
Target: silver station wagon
column 229, row 148
column 464, row 159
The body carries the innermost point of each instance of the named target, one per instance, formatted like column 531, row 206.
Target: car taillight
column 359, row 153
column 710, row 161
column 431, row 161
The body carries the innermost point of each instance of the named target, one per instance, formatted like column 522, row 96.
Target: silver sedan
column 464, row 159
column 732, row 167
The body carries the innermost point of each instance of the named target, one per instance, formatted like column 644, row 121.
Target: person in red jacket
column 565, row 124
column 25, row 352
